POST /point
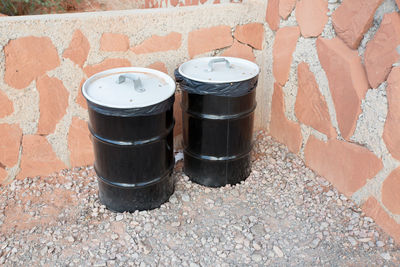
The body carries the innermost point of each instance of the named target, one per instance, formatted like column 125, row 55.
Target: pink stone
column 346, row 165
column 373, row 209
column 38, row 157
column 78, row 49
column 251, row 34
column 390, row 192
column 28, row 58
column 3, row 175
column 353, row 18
column 6, row 106
column 347, row 81
column 391, row 133
column 53, row 103
column 283, row 48
column 108, row 63
column 207, row 39
column 282, row 129
column 312, row 16
column 80, row 99
column 381, row 51
column 286, row 7
column 311, row 108
column 114, row 42
column 156, row 43
column 272, row 14
column 10, row 143
column 79, row 144
column 239, row 50
column 158, row 66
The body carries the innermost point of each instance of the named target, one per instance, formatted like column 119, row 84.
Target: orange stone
column 391, row 132
column 286, row 7
column 239, row 50
column 311, row 108
column 381, row 51
column 208, row 39
column 272, row 14
column 114, row 42
column 157, row 43
column 390, row 192
column 398, row 3
column 108, row 63
column 53, row 103
column 346, row 165
column 6, row 106
column 373, row 209
column 251, row 34
column 283, row 48
column 282, row 129
column 178, row 114
column 78, row 49
column 80, row 99
column 347, row 81
column 79, row 144
column 38, row 157
column 3, row 175
column 353, row 18
column 10, row 143
column 312, row 16
column 158, row 66
column 28, row 58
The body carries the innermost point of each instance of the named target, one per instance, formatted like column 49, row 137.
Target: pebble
column 185, row 198
column 282, row 214
column 175, row 224
column 278, row 251
column 256, row 257
column 386, row 256
column 315, row 242
column 380, row 244
column 352, row 241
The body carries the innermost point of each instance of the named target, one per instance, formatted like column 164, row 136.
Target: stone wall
column 327, row 89
column 336, row 96
column 45, row 60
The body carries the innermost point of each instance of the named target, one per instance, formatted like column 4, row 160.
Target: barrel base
column 130, row 199
column 216, row 173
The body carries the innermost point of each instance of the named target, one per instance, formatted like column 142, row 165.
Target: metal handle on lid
column 137, row 83
column 216, row 60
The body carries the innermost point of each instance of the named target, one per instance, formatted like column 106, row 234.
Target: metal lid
column 129, row 87
column 219, row 69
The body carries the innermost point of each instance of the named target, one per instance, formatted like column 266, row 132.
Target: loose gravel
column 282, row 215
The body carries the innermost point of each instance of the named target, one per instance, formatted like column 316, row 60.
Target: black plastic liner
column 233, row 89
column 217, row 130
column 143, row 111
column 134, row 155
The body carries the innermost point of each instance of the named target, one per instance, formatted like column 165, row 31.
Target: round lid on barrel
column 130, row 87
column 219, row 69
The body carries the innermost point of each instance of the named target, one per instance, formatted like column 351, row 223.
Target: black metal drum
column 131, row 122
column 218, row 103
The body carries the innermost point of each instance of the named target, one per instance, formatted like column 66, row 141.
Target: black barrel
column 218, row 122
column 133, row 147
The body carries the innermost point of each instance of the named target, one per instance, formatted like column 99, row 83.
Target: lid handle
column 137, row 83
column 216, row 60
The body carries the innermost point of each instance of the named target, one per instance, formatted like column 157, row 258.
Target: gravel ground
column 282, row 215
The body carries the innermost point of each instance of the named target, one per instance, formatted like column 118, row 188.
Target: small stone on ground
column 282, row 215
